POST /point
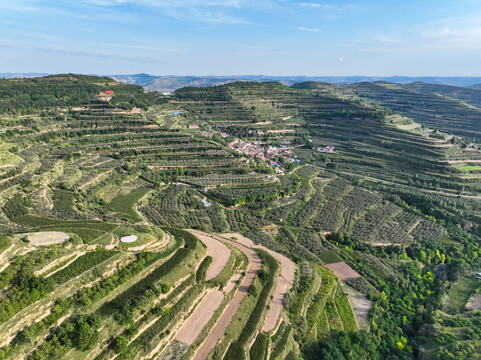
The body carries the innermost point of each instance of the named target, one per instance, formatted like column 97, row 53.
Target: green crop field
column 469, row 168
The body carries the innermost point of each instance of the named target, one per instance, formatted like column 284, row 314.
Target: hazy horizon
column 42, row 73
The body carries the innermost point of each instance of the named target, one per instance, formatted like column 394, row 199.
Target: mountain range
column 170, row 83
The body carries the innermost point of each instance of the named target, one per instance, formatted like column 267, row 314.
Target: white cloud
column 460, row 37
column 172, row 4
column 341, row 59
column 303, row 28
column 18, row 7
column 388, row 40
column 209, row 11
column 208, row 16
column 140, row 47
column 316, row 5
column 326, row 6
column 450, row 34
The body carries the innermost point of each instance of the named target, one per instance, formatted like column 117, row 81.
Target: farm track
column 156, row 245
column 94, row 180
column 284, row 281
column 138, row 211
column 232, row 282
column 16, row 252
column 4, row 257
column 200, row 317
column 217, row 250
column 176, row 328
column 218, row 330
column 45, row 269
column 463, row 161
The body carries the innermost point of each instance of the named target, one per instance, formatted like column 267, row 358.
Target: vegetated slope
column 427, row 108
column 469, row 95
column 27, row 96
column 383, row 203
column 368, row 137
column 170, row 83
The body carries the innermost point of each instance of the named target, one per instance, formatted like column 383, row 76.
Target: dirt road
column 201, row 316
column 284, row 281
column 219, row 252
column 229, row 312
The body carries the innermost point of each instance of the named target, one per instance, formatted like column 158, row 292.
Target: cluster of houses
column 283, row 150
column 106, row 95
column 253, row 149
column 256, row 132
column 207, row 133
column 327, row 149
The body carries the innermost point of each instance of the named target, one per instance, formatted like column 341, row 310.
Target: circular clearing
column 128, row 238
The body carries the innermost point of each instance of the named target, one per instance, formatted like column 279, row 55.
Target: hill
column 172, row 83
column 245, row 220
column 468, row 95
column 449, row 109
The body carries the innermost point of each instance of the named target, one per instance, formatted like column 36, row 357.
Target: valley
column 248, row 220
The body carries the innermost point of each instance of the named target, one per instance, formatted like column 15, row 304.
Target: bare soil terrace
column 284, row 282
column 219, row 252
column 218, row 330
column 343, row 271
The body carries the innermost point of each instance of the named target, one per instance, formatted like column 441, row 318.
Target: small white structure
column 128, row 238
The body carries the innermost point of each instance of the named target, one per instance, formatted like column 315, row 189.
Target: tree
column 121, row 344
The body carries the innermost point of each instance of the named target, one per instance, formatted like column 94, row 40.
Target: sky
column 240, row 37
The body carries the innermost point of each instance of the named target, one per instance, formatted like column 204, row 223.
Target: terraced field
column 393, row 212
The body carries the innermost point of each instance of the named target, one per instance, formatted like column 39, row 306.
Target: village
column 271, row 153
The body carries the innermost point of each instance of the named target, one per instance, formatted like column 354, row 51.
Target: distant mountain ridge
column 170, row 83
column 21, row 75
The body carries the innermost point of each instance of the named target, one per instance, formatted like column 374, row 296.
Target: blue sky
column 236, row 37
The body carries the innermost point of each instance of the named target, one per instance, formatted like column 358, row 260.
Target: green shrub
column 81, row 264
column 202, row 270
column 251, row 325
column 259, row 349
